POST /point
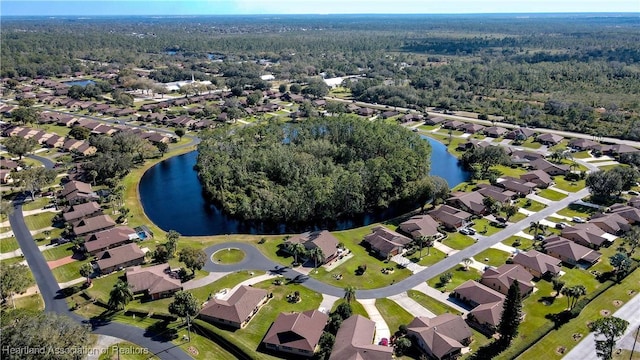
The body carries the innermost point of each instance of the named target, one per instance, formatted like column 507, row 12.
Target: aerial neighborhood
column 311, row 188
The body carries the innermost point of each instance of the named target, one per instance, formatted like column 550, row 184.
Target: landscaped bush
column 163, row 316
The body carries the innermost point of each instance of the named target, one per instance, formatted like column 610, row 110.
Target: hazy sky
column 223, row 7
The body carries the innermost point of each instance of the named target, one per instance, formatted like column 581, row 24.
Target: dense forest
column 574, row 72
column 319, row 170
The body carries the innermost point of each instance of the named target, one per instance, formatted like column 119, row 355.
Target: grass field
column 58, row 252
column 577, row 210
column 31, row 302
column 535, row 206
column 356, row 308
column 551, row 195
column 460, row 275
column 126, row 351
column 458, row 241
column 570, row 186
column 68, row 271
column 496, row 257
column 228, row 256
column 431, row 304
column 525, row 244
column 484, row 227
column 39, row 221
column 8, row 244
column 434, row 256
column 393, row 314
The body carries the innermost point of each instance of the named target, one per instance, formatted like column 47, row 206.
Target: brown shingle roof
column 443, row 334
column 153, row 279
column 420, row 225
column 478, row 293
column 537, row 261
column 297, row 330
column 237, row 307
column 92, row 224
column 505, row 275
column 320, row 239
column 385, row 240
column 81, row 210
column 107, row 238
column 120, row 255
column 570, row 250
column 354, row 341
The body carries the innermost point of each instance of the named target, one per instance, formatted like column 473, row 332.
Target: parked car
column 578, row 219
column 539, row 237
column 560, row 226
column 501, row 219
column 631, row 192
column 467, row 231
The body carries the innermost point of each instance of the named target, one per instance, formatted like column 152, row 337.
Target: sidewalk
column 327, row 303
column 382, row 329
column 72, row 282
column 403, row 261
column 212, row 277
column 444, row 248
column 505, row 248
column 540, row 199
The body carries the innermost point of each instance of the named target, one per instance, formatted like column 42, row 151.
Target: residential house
column 108, row 239
column 519, row 187
column 634, row 202
column 619, row 149
column 411, row 117
column 389, row 114
column 472, row 128
column 582, row 144
column 85, row 149
column 549, row 168
column 354, row 341
column 76, row 192
column 520, row 134
column 487, row 305
column 323, row 240
column 537, row 263
column 570, row 252
column 549, row 139
column 473, row 144
column 538, row 177
column 5, row 176
column 496, row 193
column 237, row 310
column 93, row 224
column 55, row 141
column 589, row 235
column 500, row 279
column 629, row 213
column 495, row 131
column 365, row 111
column 612, row 223
column 450, row 217
column 119, row 257
column 81, row 211
column 386, row 242
column 421, row 225
column 452, row 125
column 441, row 337
column 434, row 120
column 521, row 157
column 472, row 202
column 296, row 333
column 155, row 282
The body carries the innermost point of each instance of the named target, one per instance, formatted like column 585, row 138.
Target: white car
column 579, row 220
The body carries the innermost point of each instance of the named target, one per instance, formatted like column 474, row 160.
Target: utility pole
column 188, row 329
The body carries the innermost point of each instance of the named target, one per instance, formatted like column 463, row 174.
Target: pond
column 82, row 83
column 186, row 209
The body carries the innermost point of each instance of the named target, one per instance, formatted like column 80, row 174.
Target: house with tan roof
column 434, row 120
column 296, row 333
column 538, row 177
column 612, row 223
column 421, row 225
column 471, row 128
column 520, row 134
column 470, row 202
column 583, row 144
column 107, row 239
column 323, row 240
column 93, row 224
column 549, row 168
column 500, row 279
column 237, row 310
column 80, row 211
column 486, row 317
column 589, row 235
column 385, row 242
column 520, row 187
column 496, row 193
column 55, row 141
column 442, row 337
column 354, row 341
column 155, row 282
column 569, row 252
column 76, row 192
column 521, row 157
column 538, row 264
column 629, row 213
column 119, row 258
column 486, row 302
column 549, row 139
column 450, row 217
column 495, row 131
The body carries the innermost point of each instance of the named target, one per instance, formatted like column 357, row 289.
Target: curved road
column 55, row 302
column 259, row 262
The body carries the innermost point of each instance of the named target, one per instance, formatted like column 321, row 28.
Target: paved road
column 45, row 161
column 54, row 302
column 586, row 348
column 254, row 259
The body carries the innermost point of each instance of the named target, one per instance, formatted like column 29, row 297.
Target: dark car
column 501, row 219
column 539, row 237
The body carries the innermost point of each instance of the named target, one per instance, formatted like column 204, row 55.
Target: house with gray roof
column 570, row 252
column 237, row 310
column 538, row 264
column 119, row 258
column 354, row 341
column 156, row 282
column 323, row 240
column 421, row 225
column 442, row 337
column 502, row 278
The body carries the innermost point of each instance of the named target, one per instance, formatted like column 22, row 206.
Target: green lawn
column 428, row 127
column 534, row 205
column 58, row 252
column 531, row 144
column 458, row 241
column 68, row 271
column 517, row 217
column 356, row 308
column 525, row 244
column 571, row 186
column 12, row 261
column 581, row 155
column 496, row 257
column 551, row 194
column 547, row 347
column 577, row 210
column 434, row 256
column 373, row 277
column 39, row 221
column 460, row 275
column 479, row 340
column 431, row 304
column 484, row 227
column 8, row 244
column 228, row 256
column 393, row 314
column 227, row 282
column 126, row 351
column 38, row 203
column 510, row 171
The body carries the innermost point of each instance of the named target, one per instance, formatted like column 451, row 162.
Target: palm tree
column 428, row 243
column 296, row 250
column 120, row 295
column 317, row 254
column 467, row 261
column 85, row 271
column 349, row 294
column 536, row 227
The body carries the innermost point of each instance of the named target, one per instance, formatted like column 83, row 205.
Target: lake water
column 185, row 209
column 82, row 83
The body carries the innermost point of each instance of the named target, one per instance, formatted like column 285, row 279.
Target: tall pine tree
column 511, row 315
